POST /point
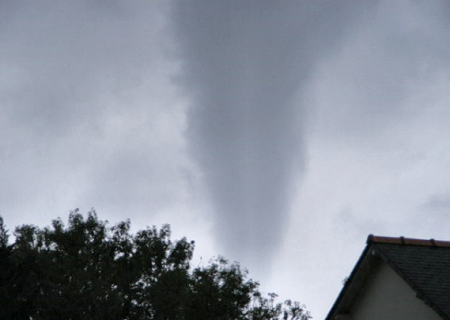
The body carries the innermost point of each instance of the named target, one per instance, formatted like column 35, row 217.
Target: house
column 397, row 278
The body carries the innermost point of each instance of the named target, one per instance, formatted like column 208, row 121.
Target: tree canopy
column 90, row 270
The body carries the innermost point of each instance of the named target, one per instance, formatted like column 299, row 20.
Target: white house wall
column 386, row 296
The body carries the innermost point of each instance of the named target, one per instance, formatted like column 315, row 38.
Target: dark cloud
column 370, row 83
column 67, row 53
column 244, row 64
column 437, row 202
column 339, row 106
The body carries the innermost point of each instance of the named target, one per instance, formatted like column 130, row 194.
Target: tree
column 89, row 270
column 5, row 269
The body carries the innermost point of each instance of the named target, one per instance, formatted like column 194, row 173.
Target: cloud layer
column 377, row 157
column 89, row 113
column 277, row 133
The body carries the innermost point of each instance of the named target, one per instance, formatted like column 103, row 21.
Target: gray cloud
column 89, row 116
column 312, row 123
column 368, row 86
column 64, row 54
column 378, row 140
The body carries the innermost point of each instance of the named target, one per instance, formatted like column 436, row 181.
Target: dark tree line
column 89, row 270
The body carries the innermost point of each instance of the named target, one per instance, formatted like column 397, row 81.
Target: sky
column 277, row 134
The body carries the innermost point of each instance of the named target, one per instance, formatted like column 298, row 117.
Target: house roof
column 423, row 264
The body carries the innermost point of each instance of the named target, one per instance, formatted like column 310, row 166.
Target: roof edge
column 367, row 258
column 362, row 260
column 407, row 241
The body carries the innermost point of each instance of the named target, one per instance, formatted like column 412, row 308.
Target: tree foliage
column 89, row 270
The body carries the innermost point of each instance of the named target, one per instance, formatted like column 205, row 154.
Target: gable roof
column 423, row 264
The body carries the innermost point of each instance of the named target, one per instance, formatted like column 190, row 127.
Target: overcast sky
column 278, row 134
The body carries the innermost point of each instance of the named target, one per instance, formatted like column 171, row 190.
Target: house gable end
column 385, row 295
column 411, row 273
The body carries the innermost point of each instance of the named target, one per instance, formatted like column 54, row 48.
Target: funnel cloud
column 244, row 63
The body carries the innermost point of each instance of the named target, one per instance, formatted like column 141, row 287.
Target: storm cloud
column 88, row 109
column 278, row 134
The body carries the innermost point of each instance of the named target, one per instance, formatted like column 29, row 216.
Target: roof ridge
column 408, row 241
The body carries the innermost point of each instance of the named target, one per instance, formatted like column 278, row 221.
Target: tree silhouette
column 89, row 270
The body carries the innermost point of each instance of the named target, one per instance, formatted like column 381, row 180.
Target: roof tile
column 408, row 241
